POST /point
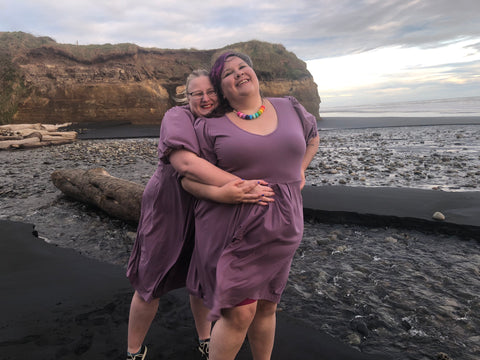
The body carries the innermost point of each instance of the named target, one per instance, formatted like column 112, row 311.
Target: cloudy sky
column 359, row 51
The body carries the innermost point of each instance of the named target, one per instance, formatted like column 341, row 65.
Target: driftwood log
column 117, row 197
column 21, row 136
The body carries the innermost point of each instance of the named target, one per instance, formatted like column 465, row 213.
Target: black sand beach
column 61, row 304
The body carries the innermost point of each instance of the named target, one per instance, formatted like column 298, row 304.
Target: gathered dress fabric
column 161, row 254
column 245, row 251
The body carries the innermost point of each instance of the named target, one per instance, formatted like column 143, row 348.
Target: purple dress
column 165, row 235
column 245, row 251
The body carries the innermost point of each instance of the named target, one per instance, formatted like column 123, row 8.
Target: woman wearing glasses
column 165, row 237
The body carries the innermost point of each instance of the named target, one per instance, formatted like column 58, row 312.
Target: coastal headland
column 46, row 82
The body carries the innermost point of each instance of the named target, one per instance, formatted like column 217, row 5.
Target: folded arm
column 195, row 168
column 234, row 192
column 204, row 180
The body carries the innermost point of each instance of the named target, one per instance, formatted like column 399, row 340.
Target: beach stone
column 359, row 325
column 131, row 236
column 333, row 237
column 354, row 339
column 438, row 216
column 443, row 356
column 391, row 240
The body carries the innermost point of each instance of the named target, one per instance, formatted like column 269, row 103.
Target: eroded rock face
column 68, row 83
column 305, row 90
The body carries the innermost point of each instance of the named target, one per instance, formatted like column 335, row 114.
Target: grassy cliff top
column 271, row 61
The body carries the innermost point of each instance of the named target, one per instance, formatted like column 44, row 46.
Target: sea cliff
column 43, row 81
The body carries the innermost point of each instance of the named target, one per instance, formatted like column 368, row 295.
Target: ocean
column 417, row 133
column 465, row 110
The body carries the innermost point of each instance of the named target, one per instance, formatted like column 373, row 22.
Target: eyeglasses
column 199, row 94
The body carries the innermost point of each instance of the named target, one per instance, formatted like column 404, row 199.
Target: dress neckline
column 255, row 134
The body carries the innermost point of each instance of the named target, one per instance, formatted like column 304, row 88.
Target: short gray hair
column 183, row 98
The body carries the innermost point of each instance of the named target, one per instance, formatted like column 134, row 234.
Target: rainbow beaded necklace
column 250, row 117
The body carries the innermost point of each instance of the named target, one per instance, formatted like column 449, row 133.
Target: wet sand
column 59, row 304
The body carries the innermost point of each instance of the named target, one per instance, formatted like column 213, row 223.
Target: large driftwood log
column 20, row 136
column 117, row 197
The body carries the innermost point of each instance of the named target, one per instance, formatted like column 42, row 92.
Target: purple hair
column 217, row 68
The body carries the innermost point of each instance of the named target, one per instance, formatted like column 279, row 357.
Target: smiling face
column 238, row 79
column 201, row 96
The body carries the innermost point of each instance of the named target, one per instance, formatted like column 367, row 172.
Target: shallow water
column 445, row 157
column 404, row 293
column 386, row 290
column 438, row 108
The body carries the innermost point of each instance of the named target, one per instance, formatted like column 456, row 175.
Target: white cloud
column 393, row 72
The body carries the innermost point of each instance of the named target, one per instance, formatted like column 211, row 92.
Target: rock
column 438, row 216
column 126, row 83
column 406, row 324
column 354, row 339
column 332, row 237
column 391, row 240
column 131, row 236
column 358, row 324
column 443, row 356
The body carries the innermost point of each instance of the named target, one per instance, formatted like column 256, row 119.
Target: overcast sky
column 359, row 51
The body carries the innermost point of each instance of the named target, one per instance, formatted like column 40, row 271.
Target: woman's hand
column 245, row 191
column 302, row 183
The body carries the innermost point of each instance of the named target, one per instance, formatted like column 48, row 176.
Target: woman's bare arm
column 312, row 148
column 234, row 192
column 195, row 168
column 204, row 180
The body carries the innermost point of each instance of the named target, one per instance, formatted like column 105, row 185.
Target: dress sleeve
column 309, row 122
column 205, row 140
column 177, row 132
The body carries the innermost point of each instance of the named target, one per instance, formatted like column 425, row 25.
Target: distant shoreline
column 125, row 130
column 354, row 122
column 122, row 130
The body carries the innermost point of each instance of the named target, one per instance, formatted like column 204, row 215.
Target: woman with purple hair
column 243, row 252
column 161, row 254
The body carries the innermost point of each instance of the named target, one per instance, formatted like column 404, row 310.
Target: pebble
column 443, row 356
column 437, row 215
column 391, row 240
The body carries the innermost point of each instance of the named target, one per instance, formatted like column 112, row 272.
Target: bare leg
column 200, row 313
column 229, row 331
column 261, row 333
column 141, row 316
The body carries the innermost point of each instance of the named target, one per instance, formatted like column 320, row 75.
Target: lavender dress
column 165, row 236
column 245, row 251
